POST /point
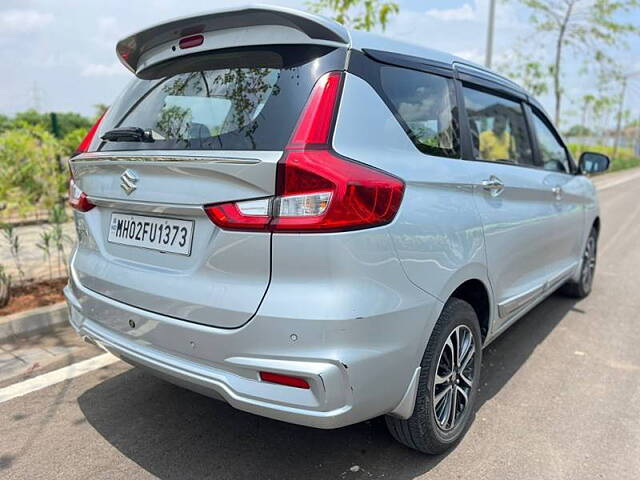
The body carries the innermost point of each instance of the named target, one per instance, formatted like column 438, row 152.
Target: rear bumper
column 357, row 368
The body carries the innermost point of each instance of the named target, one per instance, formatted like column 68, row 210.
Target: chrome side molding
column 514, row 304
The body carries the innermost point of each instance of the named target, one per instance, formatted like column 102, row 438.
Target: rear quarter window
column 424, row 103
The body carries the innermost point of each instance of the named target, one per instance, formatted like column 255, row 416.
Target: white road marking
column 60, row 375
column 615, row 183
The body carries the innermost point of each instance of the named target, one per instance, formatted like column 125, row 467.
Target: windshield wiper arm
column 128, row 134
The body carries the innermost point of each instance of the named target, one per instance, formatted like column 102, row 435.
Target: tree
column 357, row 14
column 67, row 121
column 526, row 69
column 5, row 123
column 578, row 131
column 603, row 107
column 100, row 108
column 586, row 27
column 587, row 103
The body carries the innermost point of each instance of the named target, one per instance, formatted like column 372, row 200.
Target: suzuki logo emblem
column 129, row 180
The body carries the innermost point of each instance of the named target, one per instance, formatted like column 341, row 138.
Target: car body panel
column 224, row 278
column 437, row 231
column 350, row 312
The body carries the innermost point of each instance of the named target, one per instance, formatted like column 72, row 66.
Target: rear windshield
column 239, row 99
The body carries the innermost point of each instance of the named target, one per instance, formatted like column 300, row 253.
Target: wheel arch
column 472, row 285
column 476, row 294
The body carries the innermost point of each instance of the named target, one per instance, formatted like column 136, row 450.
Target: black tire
column 582, row 287
column 422, row 430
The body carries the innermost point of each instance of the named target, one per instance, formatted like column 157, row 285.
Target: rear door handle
column 494, row 185
column 557, row 192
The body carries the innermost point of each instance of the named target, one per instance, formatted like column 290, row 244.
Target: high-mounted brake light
column 86, row 142
column 191, row 41
column 316, row 189
column 77, row 198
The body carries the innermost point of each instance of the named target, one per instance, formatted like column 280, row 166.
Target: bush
column 625, row 157
column 71, row 140
column 32, row 176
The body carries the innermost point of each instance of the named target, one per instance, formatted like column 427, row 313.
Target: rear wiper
column 128, row 134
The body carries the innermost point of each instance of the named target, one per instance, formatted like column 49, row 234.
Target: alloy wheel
column 454, row 378
column 588, row 263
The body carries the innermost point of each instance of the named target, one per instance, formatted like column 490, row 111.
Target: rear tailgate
column 219, row 122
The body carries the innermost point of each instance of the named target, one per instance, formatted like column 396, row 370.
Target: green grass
column 625, row 157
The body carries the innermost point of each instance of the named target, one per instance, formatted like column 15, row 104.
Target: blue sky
column 59, row 55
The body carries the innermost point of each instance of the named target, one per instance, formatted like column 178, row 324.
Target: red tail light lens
column 78, row 199
column 360, row 197
column 86, row 142
column 318, row 190
column 315, row 122
column 284, row 380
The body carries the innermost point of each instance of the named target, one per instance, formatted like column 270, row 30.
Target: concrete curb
column 43, row 318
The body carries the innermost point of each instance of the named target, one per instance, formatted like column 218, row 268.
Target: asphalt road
column 560, row 399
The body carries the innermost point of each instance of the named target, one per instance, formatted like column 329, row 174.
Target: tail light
column 77, row 198
column 316, row 189
column 86, row 142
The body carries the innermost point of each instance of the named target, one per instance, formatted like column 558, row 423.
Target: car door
column 514, row 198
column 569, row 198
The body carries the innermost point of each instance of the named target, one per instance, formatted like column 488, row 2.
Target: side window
column 554, row 156
column 425, row 104
column 498, row 128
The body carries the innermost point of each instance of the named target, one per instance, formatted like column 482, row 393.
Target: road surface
column 560, row 399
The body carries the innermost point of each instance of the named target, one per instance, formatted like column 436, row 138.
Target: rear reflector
column 190, row 42
column 317, row 190
column 284, row 380
column 78, row 199
column 86, row 142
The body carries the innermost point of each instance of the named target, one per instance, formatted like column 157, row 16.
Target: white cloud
column 464, row 12
column 23, row 21
column 108, row 32
column 102, row 70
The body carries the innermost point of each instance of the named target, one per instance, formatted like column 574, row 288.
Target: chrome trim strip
column 162, row 156
column 149, row 207
column 560, row 277
column 514, row 303
column 510, row 305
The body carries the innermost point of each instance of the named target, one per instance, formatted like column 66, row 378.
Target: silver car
column 320, row 225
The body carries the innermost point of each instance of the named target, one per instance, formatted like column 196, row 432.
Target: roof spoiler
column 228, row 28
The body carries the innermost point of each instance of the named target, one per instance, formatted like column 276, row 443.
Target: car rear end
column 224, row 245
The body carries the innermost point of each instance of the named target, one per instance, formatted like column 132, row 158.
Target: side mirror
column 592, row 162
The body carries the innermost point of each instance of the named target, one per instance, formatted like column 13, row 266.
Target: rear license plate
column 157, row 233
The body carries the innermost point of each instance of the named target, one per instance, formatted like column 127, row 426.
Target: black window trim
column 485, row 81
column 411, row 62
column 535, row 110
